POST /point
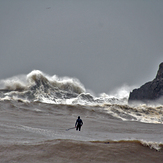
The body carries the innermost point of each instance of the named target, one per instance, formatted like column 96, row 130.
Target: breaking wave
column 40, row 87
column 142, row 113
column 37, row 86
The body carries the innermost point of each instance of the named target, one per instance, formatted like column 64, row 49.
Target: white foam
column 13, row 83
column 141, row 113
column 151, row 145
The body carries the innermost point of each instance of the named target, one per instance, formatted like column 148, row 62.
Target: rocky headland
column 150, row 91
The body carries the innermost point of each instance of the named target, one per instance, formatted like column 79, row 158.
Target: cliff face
column 150, row 91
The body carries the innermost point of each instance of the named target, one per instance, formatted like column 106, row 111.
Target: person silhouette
column 78, row 123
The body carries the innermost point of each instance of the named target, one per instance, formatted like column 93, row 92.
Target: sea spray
column 40, row 87
column 14, row 83
column 65, row 83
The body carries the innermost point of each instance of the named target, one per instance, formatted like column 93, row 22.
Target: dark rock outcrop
column 150, row 91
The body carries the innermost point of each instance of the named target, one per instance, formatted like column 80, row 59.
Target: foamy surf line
column 152, row 145
column 142, row 113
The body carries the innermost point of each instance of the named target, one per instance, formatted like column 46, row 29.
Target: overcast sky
column 103, row 43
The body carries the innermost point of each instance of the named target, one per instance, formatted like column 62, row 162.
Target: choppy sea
column 38, row 114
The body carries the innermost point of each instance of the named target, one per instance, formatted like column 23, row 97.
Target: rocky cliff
column 150, row 91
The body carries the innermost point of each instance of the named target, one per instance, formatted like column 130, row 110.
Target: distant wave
column 38, row 78
column 66, row 84
column 40, row 87
column 37, row 86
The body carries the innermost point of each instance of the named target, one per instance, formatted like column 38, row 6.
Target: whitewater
column 38, row 114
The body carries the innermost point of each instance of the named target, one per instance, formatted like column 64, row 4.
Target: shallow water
column 37, row 132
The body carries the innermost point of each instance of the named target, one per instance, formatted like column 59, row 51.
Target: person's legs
column 79, row 127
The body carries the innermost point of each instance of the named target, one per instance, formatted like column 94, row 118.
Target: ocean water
column 38, row 114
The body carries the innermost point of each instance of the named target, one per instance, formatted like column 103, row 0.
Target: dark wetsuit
column 78, row 124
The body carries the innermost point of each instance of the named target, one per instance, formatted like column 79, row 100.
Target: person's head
column 78, row 117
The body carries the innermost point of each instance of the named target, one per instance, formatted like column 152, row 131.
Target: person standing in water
column 78, row 123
